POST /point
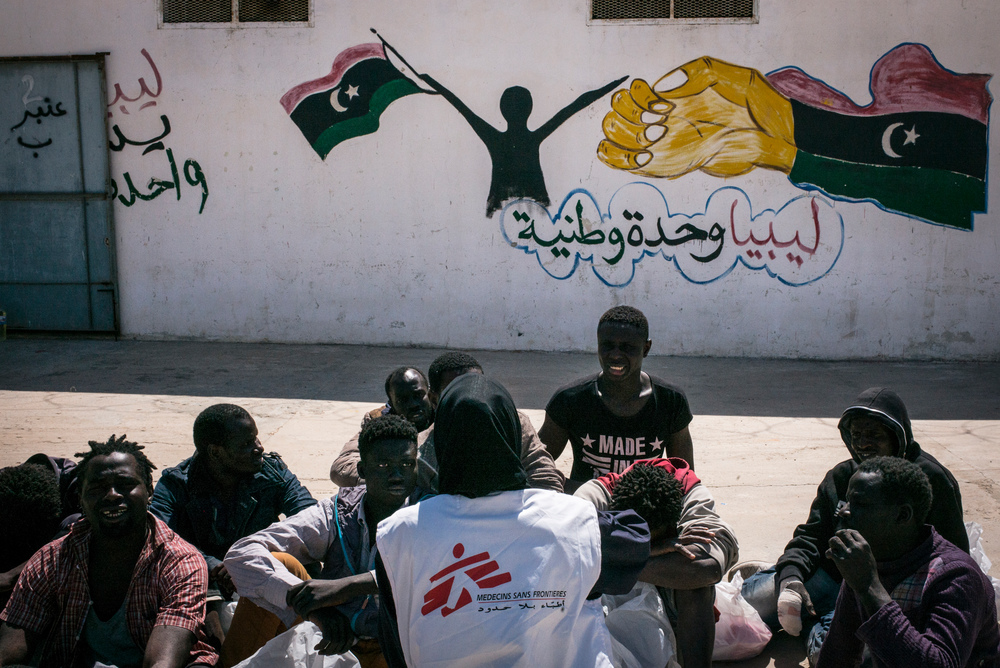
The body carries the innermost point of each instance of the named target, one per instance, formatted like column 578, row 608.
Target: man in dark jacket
column 802, row 587
column 227, row 490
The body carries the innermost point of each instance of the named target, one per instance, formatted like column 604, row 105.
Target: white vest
column 500, row 580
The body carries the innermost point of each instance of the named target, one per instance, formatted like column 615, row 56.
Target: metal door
column 57, row 250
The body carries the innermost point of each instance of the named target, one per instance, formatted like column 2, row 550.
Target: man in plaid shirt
column 121, row 589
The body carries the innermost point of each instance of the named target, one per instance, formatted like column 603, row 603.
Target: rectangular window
column 232, row 13
column 663, row 11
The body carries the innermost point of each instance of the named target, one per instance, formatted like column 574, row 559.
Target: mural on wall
column 349, row 101
column 30, row 137
column 918, row 149
column 797, row 244
column 154, row 145
column 517, row 167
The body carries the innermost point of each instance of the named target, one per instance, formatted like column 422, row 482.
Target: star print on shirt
column 656, row 443
column 587, row 441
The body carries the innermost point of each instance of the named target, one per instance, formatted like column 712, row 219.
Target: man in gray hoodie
column 800, row 591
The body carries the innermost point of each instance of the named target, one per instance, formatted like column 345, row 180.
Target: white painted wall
column 385, row 242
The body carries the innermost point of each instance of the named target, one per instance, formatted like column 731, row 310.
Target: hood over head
column 477, row 439
column 885, row 406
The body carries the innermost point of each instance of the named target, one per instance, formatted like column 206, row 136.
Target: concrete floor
column 764, row 430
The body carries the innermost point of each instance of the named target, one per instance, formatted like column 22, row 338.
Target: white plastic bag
column 975, row 531
column 295, row 649
column 740, row 633
column 641, row 635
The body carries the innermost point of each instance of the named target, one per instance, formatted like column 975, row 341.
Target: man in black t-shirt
column 621, row 414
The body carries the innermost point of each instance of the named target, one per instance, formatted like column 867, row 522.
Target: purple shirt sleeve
column 953, row 612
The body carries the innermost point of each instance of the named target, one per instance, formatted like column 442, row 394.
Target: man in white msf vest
column 489, row 572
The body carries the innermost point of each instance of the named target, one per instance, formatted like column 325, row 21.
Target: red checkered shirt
column 168, row 588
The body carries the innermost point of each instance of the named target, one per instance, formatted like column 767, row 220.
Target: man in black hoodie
column 800, row 590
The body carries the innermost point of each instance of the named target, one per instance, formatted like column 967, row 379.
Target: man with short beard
column 409, row 397
column 539, row 466
column 339, row 532
column 121, row 589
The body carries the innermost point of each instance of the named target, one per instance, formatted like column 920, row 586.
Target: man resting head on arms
column 691, row 546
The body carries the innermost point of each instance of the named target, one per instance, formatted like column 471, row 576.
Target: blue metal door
column 57, row 244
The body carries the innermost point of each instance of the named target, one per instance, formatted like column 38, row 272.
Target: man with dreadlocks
column 622, row 414
column 121, row 589
column 691, row 546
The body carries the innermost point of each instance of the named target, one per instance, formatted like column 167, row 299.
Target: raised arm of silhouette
column 517, row 170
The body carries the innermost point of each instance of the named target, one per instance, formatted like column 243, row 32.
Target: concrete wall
column 386, row 241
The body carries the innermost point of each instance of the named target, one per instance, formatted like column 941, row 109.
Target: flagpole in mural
column 919, row 149
column 349, row 101
column 390, row 47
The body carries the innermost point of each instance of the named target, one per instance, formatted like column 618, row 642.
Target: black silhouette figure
column 517, row 169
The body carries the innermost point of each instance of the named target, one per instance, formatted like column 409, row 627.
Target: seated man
column 340, row 532
column 30, row 511
column 691, row 546
column 490, row 572
column 539, row 466
column 121, row 589
column 622, row 414
column 227, row 490
column 409, row 397
column 909, row 597
column 802, row 587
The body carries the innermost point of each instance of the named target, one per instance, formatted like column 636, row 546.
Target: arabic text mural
column 919, row 148
column 155, row 186
column 797, row 244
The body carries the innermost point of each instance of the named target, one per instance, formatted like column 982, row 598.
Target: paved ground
column 764, row 430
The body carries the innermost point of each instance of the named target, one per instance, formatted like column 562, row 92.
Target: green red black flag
column 349, row 100
column 920, row 148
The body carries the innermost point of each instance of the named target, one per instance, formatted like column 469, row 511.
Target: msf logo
column 481, row 574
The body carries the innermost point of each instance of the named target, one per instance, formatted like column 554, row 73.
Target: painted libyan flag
column 348, row 101
column 919, row 148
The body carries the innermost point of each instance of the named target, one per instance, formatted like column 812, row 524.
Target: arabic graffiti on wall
column 797, row 244
column 154, row 186
column 30, row 133
column 919, row 149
